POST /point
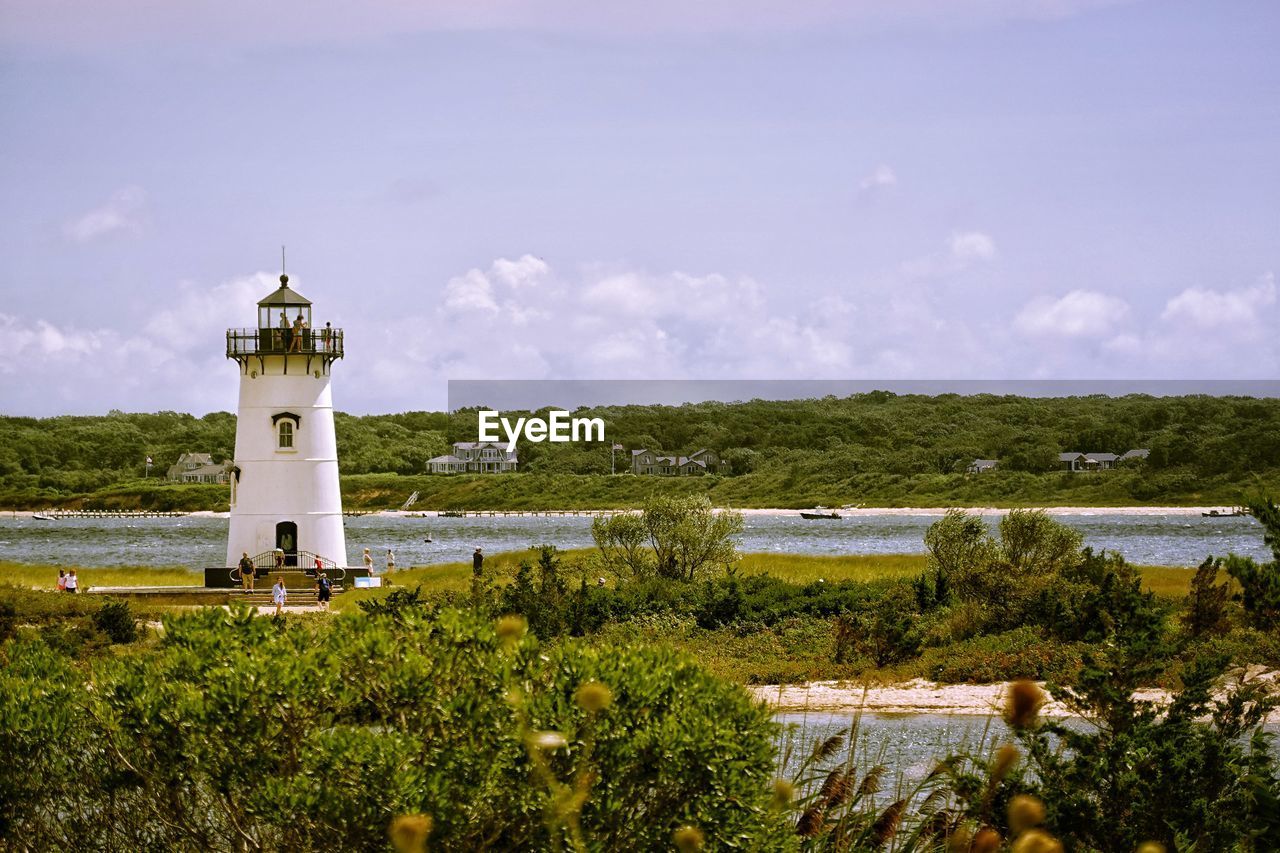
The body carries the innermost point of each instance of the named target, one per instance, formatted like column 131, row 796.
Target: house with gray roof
column 1098, row 461
column 981, row 466
column 1103, row 461
column 475, row 457
column 653, row 462
column 198, row 468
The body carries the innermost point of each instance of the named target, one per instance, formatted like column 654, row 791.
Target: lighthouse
column 286, row 507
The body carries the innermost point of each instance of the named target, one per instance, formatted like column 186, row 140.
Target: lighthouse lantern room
column 286, row 508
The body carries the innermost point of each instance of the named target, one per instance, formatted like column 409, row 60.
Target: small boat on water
column 40, row 516
column 819, row 512
column 1234, row 512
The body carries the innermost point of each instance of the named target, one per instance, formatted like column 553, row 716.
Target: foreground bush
column 240, row 732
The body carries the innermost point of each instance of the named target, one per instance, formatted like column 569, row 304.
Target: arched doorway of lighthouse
column 287, row 541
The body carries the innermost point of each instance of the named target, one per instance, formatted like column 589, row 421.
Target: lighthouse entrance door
column 287, row 541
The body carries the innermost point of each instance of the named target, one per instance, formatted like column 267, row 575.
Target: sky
column 925, row 189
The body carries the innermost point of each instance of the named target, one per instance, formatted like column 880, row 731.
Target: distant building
column 1103, row 461
column 979, row 466
column 699, row 462
column 1076, row 461
column 475, row 457
column 198, row 468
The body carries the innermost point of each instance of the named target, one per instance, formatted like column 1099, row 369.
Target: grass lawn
column 1165, row 581
column 46, row 577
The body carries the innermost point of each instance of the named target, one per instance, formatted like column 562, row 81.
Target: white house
column 475, row 457
column 198, row 468
column 979, row 466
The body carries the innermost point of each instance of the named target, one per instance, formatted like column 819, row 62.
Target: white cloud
column 67, row 368
column 469, row 292
column 883, row 176
column 527, row 271
column 964, row 249
column 970, row 246
column 121, row 214
column 617, row 322
column 1212, row 309
column 198, row 315
column 1081, row 313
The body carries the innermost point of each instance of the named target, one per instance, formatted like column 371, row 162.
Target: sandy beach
column 920, row 696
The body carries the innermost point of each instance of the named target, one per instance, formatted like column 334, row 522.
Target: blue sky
column 924, row 189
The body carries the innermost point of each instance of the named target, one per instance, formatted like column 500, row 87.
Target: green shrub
column 1260, row 582
column 314, row 734
column 115, row 619
column 1207, row 601
column 1021, row 653
column 887, row 631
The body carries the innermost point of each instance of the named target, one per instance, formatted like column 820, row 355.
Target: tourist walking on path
column 477, row 562
column 368, row 562
column 72, row 582
column 278, row 595
column 246, row 571
column 62, row 581
column 391, row 561
column 324, row 591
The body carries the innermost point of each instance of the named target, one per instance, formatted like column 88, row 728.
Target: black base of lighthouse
column 229, row 578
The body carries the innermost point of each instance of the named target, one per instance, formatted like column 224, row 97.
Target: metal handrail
column 267, row 560
column 272, row 341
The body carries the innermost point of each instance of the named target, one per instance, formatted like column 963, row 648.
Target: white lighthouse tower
column 284, row 483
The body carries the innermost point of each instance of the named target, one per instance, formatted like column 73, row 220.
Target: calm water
column 199, row 541
column 909, row 745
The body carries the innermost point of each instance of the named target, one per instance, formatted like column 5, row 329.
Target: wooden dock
column 532, row 513
column 112, row 513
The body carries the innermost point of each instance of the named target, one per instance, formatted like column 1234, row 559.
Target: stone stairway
column 261, row 596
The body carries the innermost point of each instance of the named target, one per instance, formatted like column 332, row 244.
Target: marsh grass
column 455, row 577
column 807, row 568
column 46, row 577
column 844, row 796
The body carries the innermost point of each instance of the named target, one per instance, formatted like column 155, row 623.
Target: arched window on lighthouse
column 286, row 426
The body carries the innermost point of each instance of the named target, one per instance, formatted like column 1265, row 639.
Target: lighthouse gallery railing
column 325, row 342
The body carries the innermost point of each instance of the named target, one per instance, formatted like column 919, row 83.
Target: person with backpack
column 246, row 571
column 324, row 591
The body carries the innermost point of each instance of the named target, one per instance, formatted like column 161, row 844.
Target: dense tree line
column 810, row 442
